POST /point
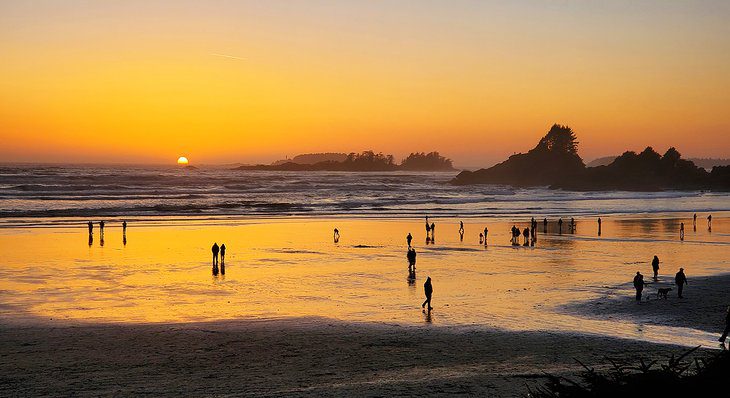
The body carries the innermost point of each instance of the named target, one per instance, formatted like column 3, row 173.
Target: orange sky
column 224, row 81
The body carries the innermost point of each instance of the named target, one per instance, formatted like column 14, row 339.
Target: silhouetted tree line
column 426, row 161
column 367, row 161
column 555, row 162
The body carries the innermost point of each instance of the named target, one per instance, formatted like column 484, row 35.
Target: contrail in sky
column 228, row 56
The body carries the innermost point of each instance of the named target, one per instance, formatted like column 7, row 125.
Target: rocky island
column 555, row 163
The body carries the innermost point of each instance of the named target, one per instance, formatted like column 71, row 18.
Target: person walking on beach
column 91, row 228
column 599, row 226
column 655, row 267
column 428, row 290
column 101, row 227
column 544, row 225
column 681, row 231
column 481, row 238
column 124, row 227
column 727, row 326
column 486, row 231
column 694, row 222
column 680, row 280
column 526, row 235
column 560, row 225
column 515, row 233
column 709, row 222
column 639, row 285
column 336, row 235
column 572, row 225
column 215, row 250
column 433, row 231
column 461, row 228
column 223, row 253
column 428, row 227
column 409, row 238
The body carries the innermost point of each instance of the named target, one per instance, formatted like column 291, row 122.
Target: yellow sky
column 256, row 81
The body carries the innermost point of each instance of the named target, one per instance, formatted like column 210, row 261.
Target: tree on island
column 426, row 161
column 369, row 161
column 560, row 139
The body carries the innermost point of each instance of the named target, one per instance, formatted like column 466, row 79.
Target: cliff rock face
column 554, row 162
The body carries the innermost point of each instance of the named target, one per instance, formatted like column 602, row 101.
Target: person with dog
column 655, row 267
column 639, row 285
column 680, row 280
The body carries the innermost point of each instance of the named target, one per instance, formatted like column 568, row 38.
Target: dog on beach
column 662, row 292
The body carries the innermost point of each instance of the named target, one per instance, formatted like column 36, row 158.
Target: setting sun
column 182, row 160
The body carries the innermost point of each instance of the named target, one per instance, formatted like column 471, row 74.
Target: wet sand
column 703, row 307
column 293, row 357
column 146, row 316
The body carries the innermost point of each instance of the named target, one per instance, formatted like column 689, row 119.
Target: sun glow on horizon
column 182, row 160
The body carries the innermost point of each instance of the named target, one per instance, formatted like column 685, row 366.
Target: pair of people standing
column 222, row 250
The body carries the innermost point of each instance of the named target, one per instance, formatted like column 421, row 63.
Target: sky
column 239, row 81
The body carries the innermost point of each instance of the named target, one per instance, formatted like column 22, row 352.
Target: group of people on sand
column 694, row 225
column 101, row 232
column 680, row 280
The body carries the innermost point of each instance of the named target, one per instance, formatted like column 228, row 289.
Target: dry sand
column 291, row 357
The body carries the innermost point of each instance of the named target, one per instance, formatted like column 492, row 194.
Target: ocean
column 77, row 192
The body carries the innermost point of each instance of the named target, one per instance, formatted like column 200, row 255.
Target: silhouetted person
column 461, row 228
column 544, row 225
column 433, row 231
column 638, row 285
column 481, row 238
column 336, row 235
column 411, row 256
column 709, row 222
column 486, row 232
column 727, row 326
column 223, row 253
column 680, row 280
column 409, row 238
column 694, row 222
column 124, row 227
column 101, row 227
column 560, row 226
column 572, row 225
column 215, row 250
column 91, row 228
column 599, row 226
column 428, row 227
column 533, row 232
column 428, row 289
column 526, row 235
column 515, row 234
column 655, row 266
column 681, row 231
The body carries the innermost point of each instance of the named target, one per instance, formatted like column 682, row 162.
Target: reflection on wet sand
column 162, row 277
